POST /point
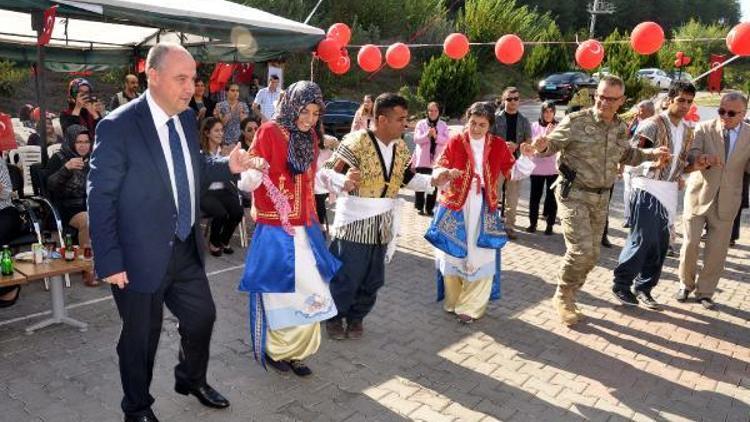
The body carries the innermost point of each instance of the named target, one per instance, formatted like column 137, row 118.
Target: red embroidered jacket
column 272, row 143
column 458, row 155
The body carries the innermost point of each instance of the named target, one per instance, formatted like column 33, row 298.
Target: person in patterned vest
column 366, row 223
column 653, row 202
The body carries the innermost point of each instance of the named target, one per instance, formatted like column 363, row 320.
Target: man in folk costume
column 653, row 203
column 466, row 231
column 288, row 266
column 367, row 220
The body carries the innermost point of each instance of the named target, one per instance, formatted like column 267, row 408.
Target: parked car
column 656, row 77
column 562, row 86
column 604, row 71
column 680, row 76
column 337, row 120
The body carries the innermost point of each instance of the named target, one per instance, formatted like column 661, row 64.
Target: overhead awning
column 113, row 32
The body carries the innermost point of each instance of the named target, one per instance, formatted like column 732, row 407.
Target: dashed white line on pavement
column 101, row 299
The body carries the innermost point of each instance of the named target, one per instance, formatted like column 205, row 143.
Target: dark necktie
column 184, row 217
column 727, row 145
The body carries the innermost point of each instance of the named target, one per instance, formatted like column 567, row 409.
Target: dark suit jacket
column 132, row 214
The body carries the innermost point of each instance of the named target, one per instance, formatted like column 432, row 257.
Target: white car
column 656, row 77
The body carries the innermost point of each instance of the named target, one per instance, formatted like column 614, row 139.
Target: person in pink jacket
column 545, row 172
column 430, row 137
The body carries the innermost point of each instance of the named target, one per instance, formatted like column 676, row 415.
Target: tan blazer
column 717, row 183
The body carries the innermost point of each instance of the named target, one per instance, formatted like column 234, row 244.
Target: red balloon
column 328, row 49
column 369, row 58
column 589, row 54
column 340, row 65
column 341, row 33
column 398, row 55
column 456, row 46
column 682, row 61
column 509, row 49
column 647, row 38
column 738, row 39
column 679, row 54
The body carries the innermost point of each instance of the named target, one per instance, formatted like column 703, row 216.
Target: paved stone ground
column 415, row 361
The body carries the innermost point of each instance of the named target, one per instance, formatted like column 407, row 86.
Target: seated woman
column 467, row 231
column 83, row 108
column 10, row 224
column 220, row 202
column 66, row 181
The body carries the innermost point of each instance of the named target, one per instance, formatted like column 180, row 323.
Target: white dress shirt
column 160, row 122
column 677, row 132
column 733, row 135
column 387, row 152
column 267, row 99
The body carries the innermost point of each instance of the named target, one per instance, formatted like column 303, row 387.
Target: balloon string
column 677, row 40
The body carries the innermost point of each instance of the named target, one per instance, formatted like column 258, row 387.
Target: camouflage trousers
column 583, row 216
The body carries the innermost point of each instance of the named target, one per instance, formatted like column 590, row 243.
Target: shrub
column 452, row 83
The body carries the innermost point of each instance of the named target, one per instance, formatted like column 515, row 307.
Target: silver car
column 656, row 77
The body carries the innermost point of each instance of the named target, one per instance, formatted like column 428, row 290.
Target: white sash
column 664, row 192
column 350, row 209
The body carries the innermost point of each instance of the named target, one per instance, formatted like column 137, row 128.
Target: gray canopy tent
column 91, row 33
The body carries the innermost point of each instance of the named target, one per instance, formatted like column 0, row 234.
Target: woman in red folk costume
column 467, row 231
column 288, row 266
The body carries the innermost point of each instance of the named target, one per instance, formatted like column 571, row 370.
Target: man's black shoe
column 647, row 300
column 205, row 394
column 143, row 418
column 682, row 295
column 625, row 297
column 606, row 243
column 548, row 231
column 531, row 229
column 706, row 302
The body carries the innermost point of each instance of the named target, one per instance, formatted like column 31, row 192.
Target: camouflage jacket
column 594, row 148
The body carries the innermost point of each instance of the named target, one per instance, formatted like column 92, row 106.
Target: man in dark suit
column 143, row 200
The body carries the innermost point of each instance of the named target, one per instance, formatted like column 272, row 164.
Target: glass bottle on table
column 6, row 262
column 70, row 253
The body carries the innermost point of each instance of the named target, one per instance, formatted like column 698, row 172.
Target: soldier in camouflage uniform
column 592, row 143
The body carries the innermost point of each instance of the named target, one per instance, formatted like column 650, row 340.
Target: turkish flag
column 715, row 77
column 7, row 138
column 220, row 76
column 49, row 25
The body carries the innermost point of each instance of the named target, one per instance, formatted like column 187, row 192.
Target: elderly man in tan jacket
column 721, row 150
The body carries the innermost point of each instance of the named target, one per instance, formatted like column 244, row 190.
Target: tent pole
column 37, row 23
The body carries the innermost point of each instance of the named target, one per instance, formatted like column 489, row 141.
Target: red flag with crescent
column 7, row 138
column 715, row 77
column 49, row 25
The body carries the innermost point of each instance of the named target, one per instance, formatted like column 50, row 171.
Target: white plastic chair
column 24, row 157
column 52, row 149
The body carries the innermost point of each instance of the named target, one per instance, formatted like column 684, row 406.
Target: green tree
column 572, row 15
column 452, row 83
column 547, row 58
column 698, row 51
column 10, row 77
column 624, row 62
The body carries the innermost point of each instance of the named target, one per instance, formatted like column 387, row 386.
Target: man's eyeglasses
column 82, row 142
column 728, row 113
column 513, row 99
